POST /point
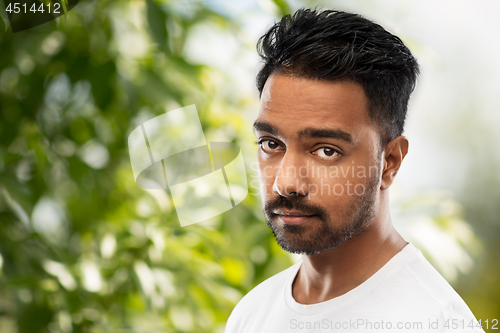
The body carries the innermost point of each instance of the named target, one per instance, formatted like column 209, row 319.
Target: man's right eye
column 269, row 146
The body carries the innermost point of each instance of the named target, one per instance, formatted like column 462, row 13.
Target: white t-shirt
column 406, row 295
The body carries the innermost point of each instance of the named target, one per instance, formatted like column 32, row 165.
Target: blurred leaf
column 283, row 6
column 157, row 22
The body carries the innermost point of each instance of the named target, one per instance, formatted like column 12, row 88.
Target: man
column 334, row 92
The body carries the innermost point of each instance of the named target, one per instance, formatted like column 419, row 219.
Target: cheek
column 266, row 176
column 334, row 184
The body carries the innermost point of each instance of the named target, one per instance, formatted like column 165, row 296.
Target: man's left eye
column 327, row 152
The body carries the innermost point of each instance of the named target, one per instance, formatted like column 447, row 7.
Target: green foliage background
column 83, row 248
column 62, row 89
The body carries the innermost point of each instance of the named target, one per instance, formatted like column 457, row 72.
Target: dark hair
column 335, row 45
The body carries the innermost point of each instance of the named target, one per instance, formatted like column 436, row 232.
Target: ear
column 394, row 153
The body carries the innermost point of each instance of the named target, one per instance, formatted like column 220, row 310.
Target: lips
column 293, row 217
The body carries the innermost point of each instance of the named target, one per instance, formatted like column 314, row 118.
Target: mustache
column 293, row 203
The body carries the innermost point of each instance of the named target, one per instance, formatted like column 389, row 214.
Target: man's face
column 319, row 164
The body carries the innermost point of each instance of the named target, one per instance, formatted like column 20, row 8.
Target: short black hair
column 335, row 45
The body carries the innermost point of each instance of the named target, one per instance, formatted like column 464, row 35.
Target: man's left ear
column 394, row 153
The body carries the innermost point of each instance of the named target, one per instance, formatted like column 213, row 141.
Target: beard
column 313, row 239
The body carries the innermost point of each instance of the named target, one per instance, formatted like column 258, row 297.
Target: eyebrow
column 265, row 127
column 307, row 133
column 310, row 132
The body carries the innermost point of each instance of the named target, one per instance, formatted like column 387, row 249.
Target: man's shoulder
column 420, row 284
column 263, row 296
column 428, row 280
column 270, row 287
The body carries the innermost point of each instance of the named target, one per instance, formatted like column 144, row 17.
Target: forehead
column 291, row 104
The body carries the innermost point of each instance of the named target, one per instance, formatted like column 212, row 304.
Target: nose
column 292, row 176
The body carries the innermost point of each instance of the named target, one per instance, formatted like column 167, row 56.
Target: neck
column 334, row 272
